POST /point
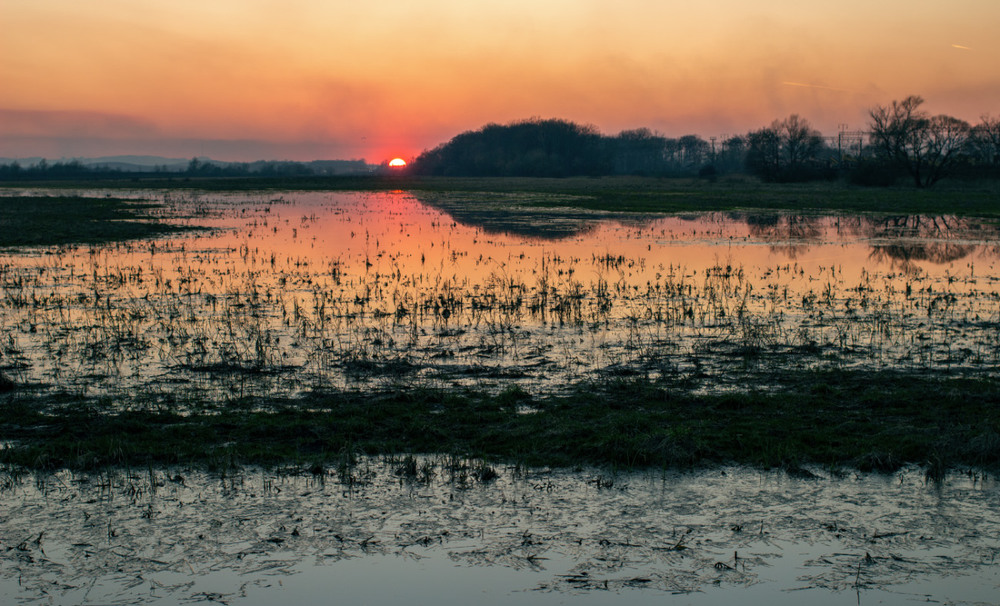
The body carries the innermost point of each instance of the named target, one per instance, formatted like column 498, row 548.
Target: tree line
column 901, row 142
column 42, row 170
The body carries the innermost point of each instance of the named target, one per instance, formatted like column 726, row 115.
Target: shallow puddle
column 376, row 532
column 301, row 291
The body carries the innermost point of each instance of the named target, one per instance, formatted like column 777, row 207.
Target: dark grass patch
column 58, row 220
column 872, row 421
column 633, row 194
column 6, row 383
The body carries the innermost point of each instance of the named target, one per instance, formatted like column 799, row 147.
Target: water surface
column 373, row 534
column 300, row 291
column 296, row 292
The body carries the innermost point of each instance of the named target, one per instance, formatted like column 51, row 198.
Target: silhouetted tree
column 694, row 150
column 801, row 142
column 639, row 152
column 12, row 171
column 763, row 156
column 531, row 148
column 732, row 154
column 927, row 147
column 984, row 142
column 787, row 150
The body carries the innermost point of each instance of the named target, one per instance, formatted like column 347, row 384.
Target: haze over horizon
column 305, row 80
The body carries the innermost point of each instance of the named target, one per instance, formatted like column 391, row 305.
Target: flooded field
column 304, row 291
column 446, row 531
column 293, row 297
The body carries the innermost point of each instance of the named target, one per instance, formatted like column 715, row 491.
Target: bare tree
column 801, row 141
column 984, row 141
column 926, row 147
column 788, row 150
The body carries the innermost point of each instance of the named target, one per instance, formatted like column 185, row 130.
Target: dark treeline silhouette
column 785, row 151
column 532, row 148
column 42, row 170
column 901, row 142
column 905, row 139
column 73, row 169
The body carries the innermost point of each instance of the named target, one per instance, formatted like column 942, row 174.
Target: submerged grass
column 871, row 421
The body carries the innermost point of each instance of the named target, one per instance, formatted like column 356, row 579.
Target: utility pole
column 840, row 140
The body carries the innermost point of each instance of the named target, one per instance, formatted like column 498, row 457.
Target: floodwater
column 372, row 534
column 303, row 291
column 289, row 293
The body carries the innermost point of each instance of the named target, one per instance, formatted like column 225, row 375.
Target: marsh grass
column 154, row 354
column 872, row 421
column 61, row 220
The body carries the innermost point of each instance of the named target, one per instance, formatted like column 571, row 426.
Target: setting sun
column 397, row 163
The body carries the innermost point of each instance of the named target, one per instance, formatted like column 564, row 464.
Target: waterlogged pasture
column 453, row 531
column 297, row 292
column 323, row 325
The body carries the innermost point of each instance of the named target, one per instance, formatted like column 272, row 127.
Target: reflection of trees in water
column 789, row 233
column 912, row 238
column 490, row 214
column 532, row 224
column 939, row 240
column 912, row 225
column 909, row 238
column 935, row 252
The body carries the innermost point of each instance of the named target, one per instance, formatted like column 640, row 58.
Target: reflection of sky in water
column 311, row 290
column 542, row 538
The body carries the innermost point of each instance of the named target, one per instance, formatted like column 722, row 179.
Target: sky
column 243, row 80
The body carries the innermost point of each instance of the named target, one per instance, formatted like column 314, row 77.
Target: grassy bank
column 863, row 420
column 631, row 194
column 59, row 220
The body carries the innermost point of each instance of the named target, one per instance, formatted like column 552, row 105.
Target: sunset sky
column 328, row 79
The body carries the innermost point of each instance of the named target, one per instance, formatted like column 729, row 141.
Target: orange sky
column 324, row 79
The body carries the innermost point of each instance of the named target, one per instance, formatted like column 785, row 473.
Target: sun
column 397, row 163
